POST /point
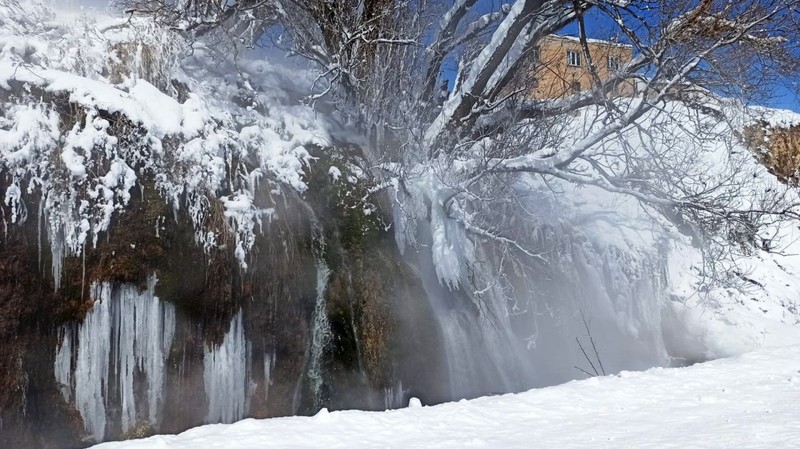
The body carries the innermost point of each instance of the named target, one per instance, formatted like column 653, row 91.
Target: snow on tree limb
column 453, row 155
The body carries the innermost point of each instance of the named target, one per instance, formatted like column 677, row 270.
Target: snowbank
column 749, row 401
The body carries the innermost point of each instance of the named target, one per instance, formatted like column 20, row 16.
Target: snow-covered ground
column 749, row 401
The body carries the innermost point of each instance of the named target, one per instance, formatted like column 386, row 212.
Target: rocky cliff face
column 149, row 333
column 178, row 252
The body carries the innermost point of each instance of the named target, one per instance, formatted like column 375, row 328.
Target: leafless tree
column 380, row 64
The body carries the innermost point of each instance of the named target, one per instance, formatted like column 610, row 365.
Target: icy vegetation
column 747, row 402
column 615, row 275
column 127, row 334
column 97, row 106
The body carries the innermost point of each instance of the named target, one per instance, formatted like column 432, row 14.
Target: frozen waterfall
column 127, row 334
column 226, row 375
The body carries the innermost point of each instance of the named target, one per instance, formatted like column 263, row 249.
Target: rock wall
column 148, row 333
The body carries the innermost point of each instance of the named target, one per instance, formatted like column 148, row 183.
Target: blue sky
column 782, row 95
column 785, row 99
column 601, row 27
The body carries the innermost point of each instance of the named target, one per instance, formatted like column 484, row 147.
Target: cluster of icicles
column 126, row 339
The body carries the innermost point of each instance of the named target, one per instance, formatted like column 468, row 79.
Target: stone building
column 559, row 67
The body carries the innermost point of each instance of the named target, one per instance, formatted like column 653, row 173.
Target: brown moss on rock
column 29, row 309
column 132, row 250
column 279, row 301
column 778, row 148
column 142, row 429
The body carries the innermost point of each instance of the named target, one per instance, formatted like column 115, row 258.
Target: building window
column 535, row 55
column 613, row 63
column 576, row 87
column 573, row 58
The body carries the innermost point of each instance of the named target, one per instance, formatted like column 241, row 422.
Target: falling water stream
column 320, row 326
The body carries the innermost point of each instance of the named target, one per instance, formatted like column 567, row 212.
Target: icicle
column 125, row 322
column 57, row 250
column 393, row 396
column 269, row 365
column 153, row 352
column 146, row 329
column 226, row 376
column 83, row 269
column 39, row 232
column 63, row 364
column 92, row 366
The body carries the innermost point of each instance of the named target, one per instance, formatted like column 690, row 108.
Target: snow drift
column 744, row 402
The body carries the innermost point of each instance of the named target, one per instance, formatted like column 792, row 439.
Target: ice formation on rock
column 125, row 339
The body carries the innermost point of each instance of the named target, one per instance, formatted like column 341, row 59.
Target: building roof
column 589, row 40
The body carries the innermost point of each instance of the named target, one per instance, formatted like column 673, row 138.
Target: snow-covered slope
column 762, row 311
column 746, row 402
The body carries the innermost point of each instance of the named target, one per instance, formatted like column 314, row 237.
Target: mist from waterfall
column 594, row 311
column 77, row 4
column 481, row 354
column 592, row 308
